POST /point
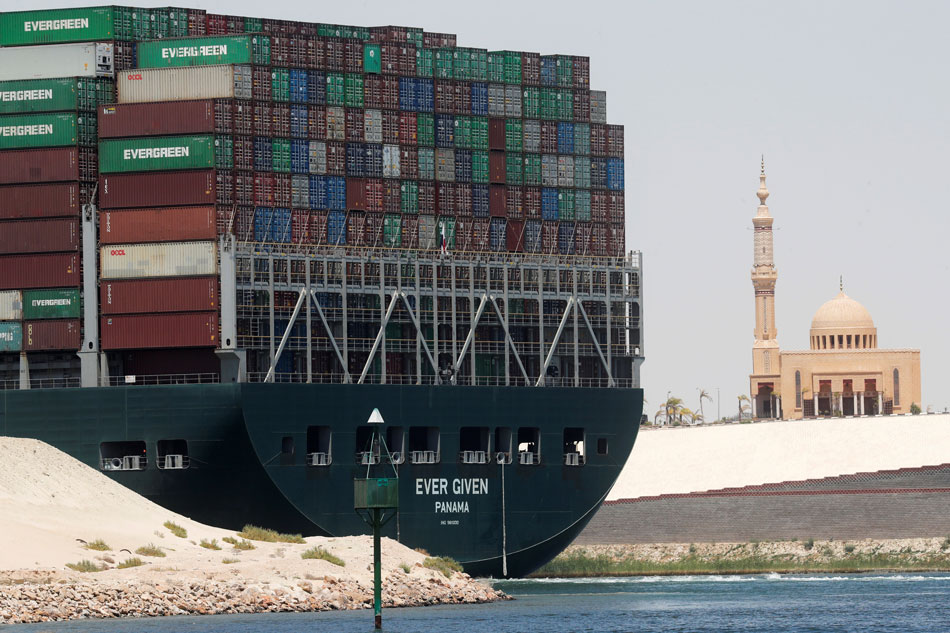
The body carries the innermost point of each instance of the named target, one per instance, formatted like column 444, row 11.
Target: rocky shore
column 79, row 545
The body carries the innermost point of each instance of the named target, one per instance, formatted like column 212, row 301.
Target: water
column 866, row 603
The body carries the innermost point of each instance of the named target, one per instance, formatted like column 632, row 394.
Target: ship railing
column 43, row 383
column 173, row 462
column 473, row 457
column 463, row 380
column 424, row 457
column 528, row 458
column 503, row 457
column 319, row 459
column 127, row 462
column 573, row 459
column 159, row 379
column 367, row 458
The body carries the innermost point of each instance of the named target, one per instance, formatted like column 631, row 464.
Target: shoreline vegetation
column 754, row 557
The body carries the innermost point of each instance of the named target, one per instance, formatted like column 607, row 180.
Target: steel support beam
column 283, row 339
column 557, row 339
column 593, row 336
column 419, row 337
column 323, row 318
column 469, row 338
column 511, row 343
column 379, row 338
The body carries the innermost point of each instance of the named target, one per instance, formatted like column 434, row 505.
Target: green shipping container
column 479, row 65
column 88, row 125
column 409, row 196
column 11, row 336
column 280, row 155
column 582, row 205
column 480, row 133
column 582, row 138
column 425, row 62
column 18, row 131
column 371, row 59
column 531, row 102
column 463, row 132
column 480, row 168
column 260, row 50
column 335, row 89
column 565, row 71
column 51, row 304
column 392, row 230
column 57, row 26
column 426, row 163
column 253, row 25
column 353, row 87
column 514, row 135
column 38, row 95
column 581, row 171
column 425, row 128
column 443, row 63
column 462, row 64
column 514, row 168
column 532, row 169
column 496, row 67
column 224, row 152
column 161, row 153
column 512, row 67
column 449, row 224
column 565, row 204
column 195, row 51
column 549, row 103
column 565, row 105
column 280, row 84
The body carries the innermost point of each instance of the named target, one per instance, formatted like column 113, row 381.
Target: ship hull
column 248, row 452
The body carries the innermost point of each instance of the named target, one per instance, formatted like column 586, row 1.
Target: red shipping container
column 463, row 199
column 356, row 194
column 280, row 50
column 445, row 199
column 264, row 190
column 427, row 197
column 355, row 123
column 39, row 236
column 374, row 194
column 531, row 68
column 157, row 189
column 410, row 231
column 224, row 185
column 615, row 240
column 334, row 56
column 615, row 141
column 391, row 89
column 598, row 139
column 391, row 127
column 532, row 203
column 281, row 113
column 300, row 225
column 409, row 162
column 549, row 137
column 49, row 335
column 462, row 97
column 282, row 190
column 216, row 24
column 243, row 227
column 582, row 105
column 160, row 224
column 463, row 235
column 373, row 91
column 40, row 201
column 243, row 153
column 242, row 116
column 141, row 331
column 318, row 53
column 598, row 206
column 157, row 119
column 261, row 83
column 598, row 239
column 58, row 270
column 549, row 238
column 264, row 119
column 318, row 227
column 582, row 72
column 480, row 235
column 392, row 196
column 197, row 22
column 244, row 187
column 39, row 165
column 497, row 199
column 408, row 134
column 496, row 134
column 514, row 236
column 336, row 159
column 615, row 207
column 514, row 202
column 355, row 223
column 140, row 296
column 353, row 56
column 582, row 238
column 317, row 123
column 496, row 167
column 388, row 57
column 373, row 229
column 445, row 97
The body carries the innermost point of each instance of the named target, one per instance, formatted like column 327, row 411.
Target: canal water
column 866, row 603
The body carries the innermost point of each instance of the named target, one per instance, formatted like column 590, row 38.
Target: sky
column 848, row 101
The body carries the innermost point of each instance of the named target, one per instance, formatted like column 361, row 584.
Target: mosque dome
column 843, row 323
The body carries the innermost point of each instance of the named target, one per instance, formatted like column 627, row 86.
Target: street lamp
column 718, row 415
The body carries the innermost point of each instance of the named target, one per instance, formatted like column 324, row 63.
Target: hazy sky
column 847, row 100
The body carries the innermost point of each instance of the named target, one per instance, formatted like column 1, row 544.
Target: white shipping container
column 143, row 85
column 318, row 157
column 11, row 305
column 56, row 60
column 373, row 126
column 169, row 259
column 391, row 161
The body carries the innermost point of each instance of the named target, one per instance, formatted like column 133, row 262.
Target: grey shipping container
column 549, row 170
column 445, row 165
column 598, row 106
column 184, row 83
column 565, row 171
column 496, row 100
column 428, row 225
column 532, row 136
column 373, row 126
column 300, row 191
column 513, row 101
column 391, row 161
column 57, row 60
column 169, row 259
column 318, row 157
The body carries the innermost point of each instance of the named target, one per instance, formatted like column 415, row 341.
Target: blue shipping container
column 496, row 234
column 425, row 95
column 336, row 228
column 548, row 71
column 316, row 88
column 318, row 193
column 565, row 138
column 263, row 153
column 463, row 165
column 479, row 200
column 549, row 203
column 532, row 236
column 479, row 98
column 299, row 80
column 356, row 160
column 598, row 172
column 407, row 94
column 300, row 157
column 272, row 225
column 336, row 193
column 444, row 130
column 565, row 238
column 299, row 115
column 374, row 160
column 614, row 174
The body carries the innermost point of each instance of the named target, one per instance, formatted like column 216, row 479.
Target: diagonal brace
column 470, row 337
column 379, row 338
column 593, row 336
column 504, row 326
column 557, row 339
column 419, row 336
column 283, row 339
column 336, row 348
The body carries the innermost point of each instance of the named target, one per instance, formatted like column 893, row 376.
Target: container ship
column 225, row 240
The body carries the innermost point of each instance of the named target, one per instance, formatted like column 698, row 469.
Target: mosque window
column 798, row 389
column 897, row 388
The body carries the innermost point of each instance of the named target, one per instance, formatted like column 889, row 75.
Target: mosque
column 843, row 373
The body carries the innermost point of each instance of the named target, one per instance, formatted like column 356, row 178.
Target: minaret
column 765, row 351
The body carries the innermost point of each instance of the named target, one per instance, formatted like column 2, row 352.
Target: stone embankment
column 49, row 596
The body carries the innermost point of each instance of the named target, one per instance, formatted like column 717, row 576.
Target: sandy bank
column 53, row 507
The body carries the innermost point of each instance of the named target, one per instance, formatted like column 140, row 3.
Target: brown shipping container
column 50, row 335
column 156, row 119
column 150, row 331
column 138, row 296
column 39, row 201
column 157, row 189
column 39, row 236
column 163, row 361
column 59, row 270
column 39, row 165
column 161, row 224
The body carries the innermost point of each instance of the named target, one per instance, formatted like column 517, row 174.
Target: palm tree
column 696, row 418
column 686, row 413
column 669, row 410
column 703, row 394
column 743, row 407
